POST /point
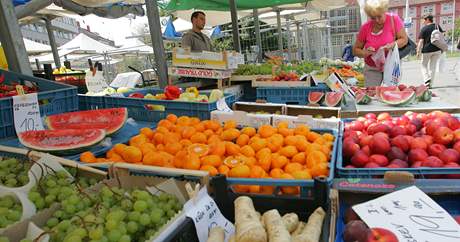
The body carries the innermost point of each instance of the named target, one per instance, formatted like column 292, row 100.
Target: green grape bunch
column 10, row 211
column 13, row 172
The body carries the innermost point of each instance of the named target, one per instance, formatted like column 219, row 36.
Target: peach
column 383, row 116
column 399, row 163
column 457, row 146
column 380, row 145
column 417, row 164
column 365, row 140
column 396, row 153
column 417, row 155
column 411, row 129
column 381, row 235
column 356, row 126
column 435, row 149
column 433, row 161
column 433, row 125
column 400, row 142
column 418, row 143
column 450, row 156
column 443, row 135
column 381, row 135
column 428, row 139
column 360, row 159
column 397, row 130
column 371, row 165
column 350, row 148
column 370, row 116
column 355, row 231
column 366, row 150
column 375, row 128
column 380, row 160
column 453, row 123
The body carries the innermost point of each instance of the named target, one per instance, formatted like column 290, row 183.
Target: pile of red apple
column 411, row 141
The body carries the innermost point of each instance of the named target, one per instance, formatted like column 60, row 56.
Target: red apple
column 435, row 149
column 450, row 156
column 443, row 135
column 360, row 159
column 381, row 235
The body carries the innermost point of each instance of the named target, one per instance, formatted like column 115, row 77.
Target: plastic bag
column 379, row 59
column 392, row 69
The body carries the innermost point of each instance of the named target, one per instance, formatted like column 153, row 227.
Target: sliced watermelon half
column 315, row 97
column 422, row 93
column 398, row 98
column 363, row 98
column 111, row 120
column 62, row 142
column 379, row 90
column 333, row 99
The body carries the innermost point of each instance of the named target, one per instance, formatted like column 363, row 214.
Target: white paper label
column 206, row 215
column 26, row 113
column 222, row 105
column 411, row 215
column 96, row 82
column 337, row 84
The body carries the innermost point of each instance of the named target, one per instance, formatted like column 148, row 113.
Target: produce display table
column 222, row 76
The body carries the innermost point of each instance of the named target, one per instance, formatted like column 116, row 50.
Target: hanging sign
column 26, row 113
column 95, row 81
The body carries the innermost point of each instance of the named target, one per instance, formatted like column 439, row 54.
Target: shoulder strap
column 393, row 26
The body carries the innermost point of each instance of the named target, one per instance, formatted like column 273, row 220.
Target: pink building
column 442, row 11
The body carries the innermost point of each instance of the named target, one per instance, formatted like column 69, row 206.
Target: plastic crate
column 289, row 95
column 59, row 98
column 420, row 173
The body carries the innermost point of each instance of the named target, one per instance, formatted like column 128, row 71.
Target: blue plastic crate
column 289, row 95
column 91, row 102
column 59, row 98
column 421, row 173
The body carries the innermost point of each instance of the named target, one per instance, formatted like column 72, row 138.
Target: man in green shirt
column 195, row 39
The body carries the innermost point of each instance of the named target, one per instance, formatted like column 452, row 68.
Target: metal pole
column 453, row 29
column 288, row 29
column 49, row 29
column 280, row 34
column 255, row 15
column 306, row 43
column 299, row 50
column 11, row 39
column 329, row 39
column 406, row 19
column 157, row 41
column 236, row 34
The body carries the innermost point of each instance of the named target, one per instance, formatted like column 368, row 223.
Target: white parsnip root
column 247, row 222
column 216, row 234
column 299, row 228
column 291, row 220
column 312, row 231
column 276, row 229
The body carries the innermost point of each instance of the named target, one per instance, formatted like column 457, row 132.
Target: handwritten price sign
column 26, row 113
column 411, row 215
column 206, row 215
column 95, row 82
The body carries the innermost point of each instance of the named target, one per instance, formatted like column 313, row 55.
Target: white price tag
column 26, row 113
column 337, row 84
column 411, row 215
column 95, row 83
column 206, row 215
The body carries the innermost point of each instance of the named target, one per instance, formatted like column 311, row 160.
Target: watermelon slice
column 363, row 98
column 62, row 142
column 315, row 97
column 379, row 90
column 333, row 99
column 398, row 98
column 111, row 120
column 422, row 93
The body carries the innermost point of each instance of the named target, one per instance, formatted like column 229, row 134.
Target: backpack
column 437, row 39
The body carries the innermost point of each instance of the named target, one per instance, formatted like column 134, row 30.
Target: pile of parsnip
column 250, row 226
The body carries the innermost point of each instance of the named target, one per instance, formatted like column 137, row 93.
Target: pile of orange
column 267, row 152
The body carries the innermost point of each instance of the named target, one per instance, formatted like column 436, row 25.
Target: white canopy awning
column 33, row 47
column 83, row 44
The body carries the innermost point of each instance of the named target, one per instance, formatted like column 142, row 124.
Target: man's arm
column 420, row 42
column 186, row 40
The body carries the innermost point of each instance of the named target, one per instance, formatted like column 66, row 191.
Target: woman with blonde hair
column 383, row 30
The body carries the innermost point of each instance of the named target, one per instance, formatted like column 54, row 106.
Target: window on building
column 446, row 20
column 336, row 39
column 428, row 9
column 447, row 8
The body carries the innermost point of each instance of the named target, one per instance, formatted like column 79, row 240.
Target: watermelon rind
column 380, row 89
column 97, row 135
column 333, row 99
column 315, row 97
column 363, row 98
column 423, row 94
column 111, row 119
column 390, row 97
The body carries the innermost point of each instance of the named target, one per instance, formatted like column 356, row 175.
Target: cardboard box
column 325, row 112
column 254, row 107
column 183, row 57
column 17, row 232
column 314, row 123
column 242, row 118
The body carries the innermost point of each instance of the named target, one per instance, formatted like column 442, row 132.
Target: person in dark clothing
column 429, row 52
column 347, row 54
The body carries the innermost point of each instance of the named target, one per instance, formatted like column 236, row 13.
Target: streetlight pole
column 453, row 28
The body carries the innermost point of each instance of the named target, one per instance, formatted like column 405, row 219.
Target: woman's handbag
column 408, row 48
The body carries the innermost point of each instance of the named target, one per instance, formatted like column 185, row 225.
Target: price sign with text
column 26, row 113
column 205, row 214
column 411, row 216
column 95, row 81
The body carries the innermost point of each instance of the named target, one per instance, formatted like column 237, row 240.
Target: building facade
column 65, row 29
column 442, row 11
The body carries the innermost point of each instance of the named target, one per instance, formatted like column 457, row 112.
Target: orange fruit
column 119, row 148
column 288, row 151
column 179, row 159
column 290, row 189
column 299, row 158
column 158, row 138
column 312, row 136
column 87, row 157
column 187, row 132
column 172, row 118
column 247, row 151
column 214, row 138
column 279, row 161
column 183, row 121
column 211, row 160
column 301, row 145
column 192, row 162
column 138, row 140
column 301, row 175
column 266, row 131
column 173, row 148
column 230, row 124
column 249, row 131
column 292, row 167
column 321, row 141
column 276, row 172
column 165, row 123
column 267, row 190
column 257, row 143
column 286, row 132
column 328, row 137
column 233, row 161
column 223, row 169
column 171, row 137
column 208, row 133
column 160, row 147
column 320, row 169
column 242, row 140
column 199, row 127
column 161, row 129
column 194, row 121
column 254, row 188
column 275, row 142
column 301, row 130
column 231, row 149
column 116, row 158
column 217, row 148
column 263, row 153
column 199, row 138
column 198, row 149
column 132, row 154
column 169, row 165
column 147, row 132
column 283, row 124
column 147, row 147
column 109, row 153
column 290, row 140
column 230, row 134
column 178, row 129
column 210, row 169
column 256, row 172
column 219, row 131
column 250, row 161
column 185, row 143
column 241, row 188
column 100, row 160
column 212, row 125
column 240, row 171
column 265, row 162
column 157, row 158
column 314, row 158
